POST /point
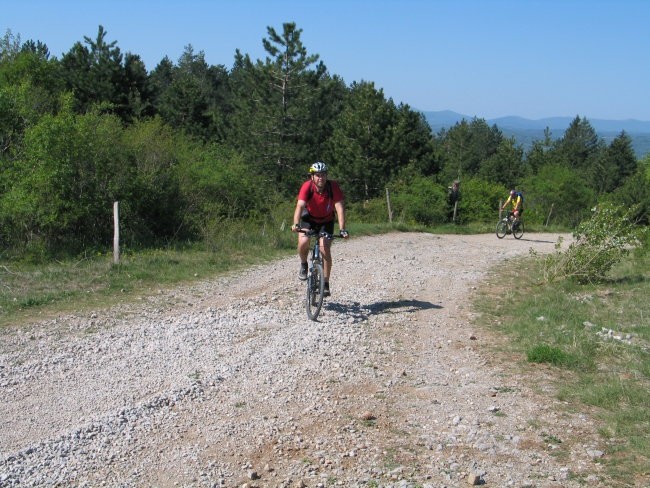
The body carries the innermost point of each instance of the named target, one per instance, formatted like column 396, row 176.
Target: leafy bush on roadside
column 421, row 201
column 546, row 199
column 636, row 191
column 374, row 211
column 479, row 201
column 601, row 242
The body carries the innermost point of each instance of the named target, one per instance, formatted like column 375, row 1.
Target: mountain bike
column 315, row 276
column 508, row 225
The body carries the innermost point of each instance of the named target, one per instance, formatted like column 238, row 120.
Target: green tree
column 360, row 146
column 64, row 184
column 559, row 192
column 422, row 201
column 579, row 147
column 540, row 153
column 616, row 163
column 161, row 79
column 275, row 110
column 193, row 96
column 374, row 142
column 505, row 166
column 136, row 92
column 32, row 64
column 466, row 146
column 480, row 200
column 217, row 185
column 30, row 86
column 97, row 75
column 412, row 143
column 325, row 105
column 152, row 206
column 634, row 193
column 9, row 46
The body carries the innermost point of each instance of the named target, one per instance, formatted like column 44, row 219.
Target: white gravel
column 227, row 383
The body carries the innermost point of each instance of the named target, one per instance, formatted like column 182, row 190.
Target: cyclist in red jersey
column 319, row 199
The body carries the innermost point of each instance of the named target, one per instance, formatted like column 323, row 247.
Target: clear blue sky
column 484, row 58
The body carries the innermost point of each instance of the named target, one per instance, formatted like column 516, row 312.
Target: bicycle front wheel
column 518, row 229
column 315, row 287
column 502, row 228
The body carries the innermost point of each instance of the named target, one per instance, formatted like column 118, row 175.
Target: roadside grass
column 29, row 291
column 35, row 291
column 595, row 339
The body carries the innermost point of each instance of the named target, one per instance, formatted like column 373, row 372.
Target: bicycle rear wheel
column 315, row 286
column 518, row 229
column 502, row 228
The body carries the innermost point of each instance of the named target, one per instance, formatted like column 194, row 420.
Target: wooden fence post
column 390, row 211
column 549, row 215
column 116, row 233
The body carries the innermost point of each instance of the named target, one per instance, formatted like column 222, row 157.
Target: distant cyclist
column 516, row 199
column 318, row 200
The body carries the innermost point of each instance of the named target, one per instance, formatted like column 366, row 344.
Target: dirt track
column 227, row 383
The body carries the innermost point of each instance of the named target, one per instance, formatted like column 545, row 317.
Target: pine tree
column 580, row 145
column 277, row 105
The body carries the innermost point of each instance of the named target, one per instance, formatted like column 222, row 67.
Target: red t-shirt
column 320, row 205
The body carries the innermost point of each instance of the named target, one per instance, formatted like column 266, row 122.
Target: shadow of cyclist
column 541, row 241
column 362, row 312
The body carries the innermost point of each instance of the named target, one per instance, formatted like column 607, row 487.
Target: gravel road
column 227, row 383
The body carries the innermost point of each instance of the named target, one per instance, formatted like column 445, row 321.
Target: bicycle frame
column 315, row 250
column 315, row 274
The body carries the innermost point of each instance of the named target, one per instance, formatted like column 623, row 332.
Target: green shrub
column 373, row 211
column 635, row 192
column 479, row 200
column 600, row 243
column 420, row 202
column 557, row 195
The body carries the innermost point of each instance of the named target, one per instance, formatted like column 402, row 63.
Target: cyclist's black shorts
column 307, row 223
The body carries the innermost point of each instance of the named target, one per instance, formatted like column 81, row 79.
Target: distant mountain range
column 525, row 131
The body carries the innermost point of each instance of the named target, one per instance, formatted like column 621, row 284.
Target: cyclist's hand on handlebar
column 344, row 233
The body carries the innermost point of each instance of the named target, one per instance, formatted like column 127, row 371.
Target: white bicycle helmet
column 318, row 167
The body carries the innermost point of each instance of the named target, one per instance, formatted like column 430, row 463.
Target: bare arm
column 340, row 212
column 300, row 206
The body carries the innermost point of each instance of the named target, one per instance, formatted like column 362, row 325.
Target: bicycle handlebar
column 312, row 233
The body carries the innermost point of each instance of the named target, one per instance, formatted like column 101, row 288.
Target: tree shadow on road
column 362, row 311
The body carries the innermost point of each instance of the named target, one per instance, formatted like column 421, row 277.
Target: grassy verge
column 596, row 339
column 29, row 291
